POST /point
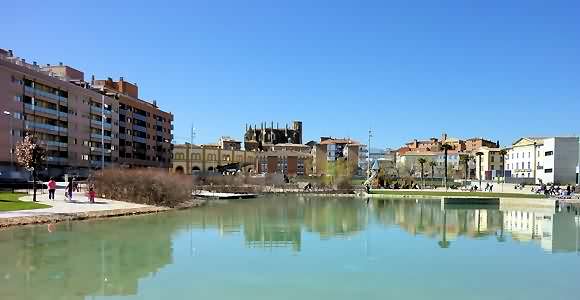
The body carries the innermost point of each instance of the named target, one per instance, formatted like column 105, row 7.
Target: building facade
column 491, row 163
column 288, row 159
column 77, row 123
column 329, row 151
column 145, row 131
column 256, row 137
column 545, row 160
column 189, row 159
column 72, row 121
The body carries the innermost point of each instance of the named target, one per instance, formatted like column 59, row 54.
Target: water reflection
column 109, row 257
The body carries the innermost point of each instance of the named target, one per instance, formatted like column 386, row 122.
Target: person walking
column 69, row 189
column 92, row 195
column 51, row 188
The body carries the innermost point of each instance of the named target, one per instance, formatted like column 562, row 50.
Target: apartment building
column 145, row 131
column 77, row 122
column 544, row 159
column 434, row 144
column 72, row 121
column 330, row 150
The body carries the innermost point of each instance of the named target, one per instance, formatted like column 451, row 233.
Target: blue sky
column 497, row 69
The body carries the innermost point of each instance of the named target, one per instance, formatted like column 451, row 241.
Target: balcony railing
column 54, row 159
column 98, row 111
column 44, row 94
column 98, row 123
column 139, row 139
column 98, row 136
column 139, row 117
column 140, row 128
column 30, row 125
column 56, row 144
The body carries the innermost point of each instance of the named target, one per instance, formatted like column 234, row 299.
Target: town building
column 491, row 163
column 434, row 144
column 329, row 151
column 144, row 130
column 544, row 160
column 289, row 159
column 256, row 137
column 189, row 159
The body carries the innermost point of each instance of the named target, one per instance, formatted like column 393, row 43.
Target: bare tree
column 31, row 156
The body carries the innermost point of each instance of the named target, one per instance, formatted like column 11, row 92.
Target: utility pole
column 369, row 155
column 102, row 132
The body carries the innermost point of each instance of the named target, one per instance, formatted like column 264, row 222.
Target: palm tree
column 465, row 161
column 503, row 153
column 422, row 162
column 479, row 154
column 446, row 147
column 432, row 164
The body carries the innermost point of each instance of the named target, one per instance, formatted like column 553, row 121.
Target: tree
column 503, row 153
column 446, row 147
column 31, row 156
column 479, row 154
column 465, row 161
column 432, row 164
column 422, row 162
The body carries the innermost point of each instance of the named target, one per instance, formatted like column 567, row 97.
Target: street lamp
column 9, row 114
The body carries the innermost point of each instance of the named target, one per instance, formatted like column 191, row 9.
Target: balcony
column 37, row 92
column 99, row 136
column 123, row 112
column 139, row 117
column 56, row 144
column 34, row 125
column 99, row 111
column 56, row 160
column 139, row 139
column 140, row 128
column 98, row 124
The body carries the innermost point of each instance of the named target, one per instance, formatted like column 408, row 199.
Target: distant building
column 188, row 158
column 329, row 150
column 256, row 137
column 491, row 163
column 434, row 144
column 289, row 159
column 544, row 159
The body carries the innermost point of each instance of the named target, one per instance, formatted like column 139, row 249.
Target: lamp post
column 9, row 114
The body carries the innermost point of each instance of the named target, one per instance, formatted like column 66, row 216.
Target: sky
column 404, row 69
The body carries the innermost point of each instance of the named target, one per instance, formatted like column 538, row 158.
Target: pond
column 293, row 247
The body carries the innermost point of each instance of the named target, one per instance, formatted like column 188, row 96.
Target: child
column 92, row 195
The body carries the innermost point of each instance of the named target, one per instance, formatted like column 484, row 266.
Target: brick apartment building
column 77, row 123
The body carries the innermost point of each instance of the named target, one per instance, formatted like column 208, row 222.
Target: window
column 517, row 165
column 517, row 155
column 85, row 157
column 548, row 170
column 492, row 167
column 529, row 154
column 492, row 157
column 529, row 165
column 549, row 153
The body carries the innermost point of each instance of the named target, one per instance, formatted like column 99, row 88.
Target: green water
column 300, row 248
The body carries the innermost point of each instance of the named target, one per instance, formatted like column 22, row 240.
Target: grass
column 458, row 193
column 10, row 202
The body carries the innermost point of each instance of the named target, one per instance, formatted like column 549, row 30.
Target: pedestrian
column 51, row 188
column 491, row 188
column 568, row 190
column 69, row 189
column 92, row 195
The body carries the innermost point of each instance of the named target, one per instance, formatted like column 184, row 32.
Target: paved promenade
column 80, row 204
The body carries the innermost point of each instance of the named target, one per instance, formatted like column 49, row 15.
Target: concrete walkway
column 59, row 206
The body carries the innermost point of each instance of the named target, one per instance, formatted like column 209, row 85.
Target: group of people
column 554, row 190
column 71, row 187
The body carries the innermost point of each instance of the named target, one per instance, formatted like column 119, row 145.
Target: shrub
column 143, row 186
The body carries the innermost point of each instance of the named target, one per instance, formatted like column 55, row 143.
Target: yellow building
column 491, row 163
column 188, row 158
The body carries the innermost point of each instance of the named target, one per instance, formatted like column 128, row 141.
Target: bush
column 143, row 186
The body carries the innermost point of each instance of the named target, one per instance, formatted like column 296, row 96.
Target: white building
column 546, row 160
